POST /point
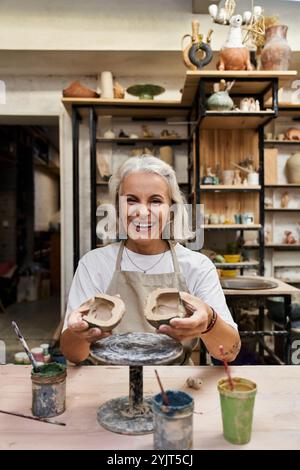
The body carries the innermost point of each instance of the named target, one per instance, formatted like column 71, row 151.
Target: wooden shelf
column 231, row 227
column 225, row 187
column 242, row 264
column 275, row 246
column 142, row 109
column 289, row 109
column 287, row 185
column 154, row 140
column 279, row 209
column 281, row 142
column 241, row 87
column 235, row 120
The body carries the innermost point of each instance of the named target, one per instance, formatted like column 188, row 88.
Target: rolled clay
column 162, row 305
column 105, row 311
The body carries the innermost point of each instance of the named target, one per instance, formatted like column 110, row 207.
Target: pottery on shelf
column 147, row 134
column 119, row 91
column 276, row 53
column 109, row 134
column 288, row 238
column 107, row 85
column 292, row 134
column 162, row 305
column 292, row 168
column 166, row 154
column 234, row 55
column 220, row 101
column 284, row 200
column 145, row 91
column 77, row 90
column 105, row 311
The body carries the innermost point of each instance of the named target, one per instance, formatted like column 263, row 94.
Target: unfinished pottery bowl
column 105, row 311
column 162, row 305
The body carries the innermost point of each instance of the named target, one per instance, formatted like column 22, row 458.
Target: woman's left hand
column 193, row 325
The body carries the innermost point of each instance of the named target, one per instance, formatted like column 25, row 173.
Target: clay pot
column 162, row 305
column 276, row 53
column 234, row 58
column 76, row 90
column 220, row 101
column 166, row 154
column 292, row 168
column 105, row 311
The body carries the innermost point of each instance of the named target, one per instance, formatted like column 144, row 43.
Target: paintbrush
column 36, row 368
column 165, row 398
column 35, row 418
column 230, row 381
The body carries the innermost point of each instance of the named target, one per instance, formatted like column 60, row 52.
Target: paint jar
column 237, row 409
column 49, row 390
column 173, row 423
column 38, row 354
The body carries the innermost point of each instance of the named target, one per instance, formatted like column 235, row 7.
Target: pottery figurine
column 234, row 55
column 119, row 91
column 123, row 135
column 292, row 134
column 288, row 238
column 147, row 133
column 237, row 177
column 285, row 199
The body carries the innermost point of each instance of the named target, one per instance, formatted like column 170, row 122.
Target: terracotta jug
column 276, row 52
column 292, row 167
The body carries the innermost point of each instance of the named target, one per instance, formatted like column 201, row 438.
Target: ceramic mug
column 247, row 218
column 253, row 178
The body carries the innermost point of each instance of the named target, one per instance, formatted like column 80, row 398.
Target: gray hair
column 150, row 164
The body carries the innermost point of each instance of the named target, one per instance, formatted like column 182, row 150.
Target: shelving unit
column 239, row 133
column 244, row 131
column 278, row 214
column 156, row 111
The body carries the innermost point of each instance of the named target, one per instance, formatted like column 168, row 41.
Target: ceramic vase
column 292, row 168
column 276, row 53
column 220, row 101
column 107, row 85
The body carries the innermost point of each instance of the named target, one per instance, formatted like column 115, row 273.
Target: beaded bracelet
column 211, row 323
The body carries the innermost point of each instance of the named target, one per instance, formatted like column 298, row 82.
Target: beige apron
column 134, row 288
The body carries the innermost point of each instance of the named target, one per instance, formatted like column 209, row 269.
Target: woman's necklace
column 142, row 269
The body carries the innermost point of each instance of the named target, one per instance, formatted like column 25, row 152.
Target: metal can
column 49, row 390
column 173, row 423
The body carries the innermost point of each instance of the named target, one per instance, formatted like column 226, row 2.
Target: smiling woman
column 152, row 220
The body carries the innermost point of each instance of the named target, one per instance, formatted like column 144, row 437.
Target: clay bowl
column 105, row 312
column 162, row 305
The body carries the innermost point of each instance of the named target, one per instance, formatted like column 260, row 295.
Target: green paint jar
column 237, row 409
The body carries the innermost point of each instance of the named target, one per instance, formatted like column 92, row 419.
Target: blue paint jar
column 173, row 424
column 49, row 390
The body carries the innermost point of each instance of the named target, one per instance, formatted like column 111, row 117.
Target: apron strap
column 119, row 257
column 174, row 258
column 173, row 254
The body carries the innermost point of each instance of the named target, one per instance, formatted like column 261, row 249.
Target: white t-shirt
column 96, row 268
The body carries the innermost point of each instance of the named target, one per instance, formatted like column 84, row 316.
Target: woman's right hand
column 81, row 329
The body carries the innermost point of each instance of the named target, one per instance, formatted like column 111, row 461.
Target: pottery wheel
column 134, row 349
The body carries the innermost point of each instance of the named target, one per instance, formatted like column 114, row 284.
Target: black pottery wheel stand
column 133, row 414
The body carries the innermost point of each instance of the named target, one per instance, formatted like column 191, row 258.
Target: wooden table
column 256, row 298
column 276, row 417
